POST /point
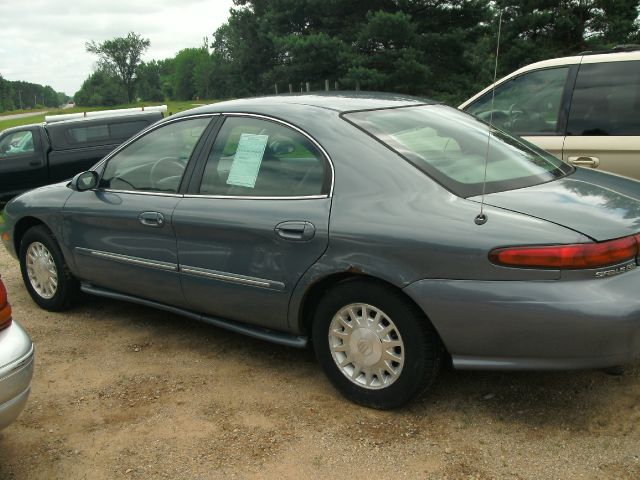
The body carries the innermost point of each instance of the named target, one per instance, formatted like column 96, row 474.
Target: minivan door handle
column 592, row 162
column 295, row 230
column 151, row 219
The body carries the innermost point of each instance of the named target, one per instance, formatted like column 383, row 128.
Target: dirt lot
column 122, row 391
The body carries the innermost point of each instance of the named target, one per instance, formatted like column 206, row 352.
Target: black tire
column 420, row 343
column 67, row 286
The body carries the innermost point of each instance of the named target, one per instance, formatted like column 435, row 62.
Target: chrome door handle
column 592, row 162
column 151, row 219
column 295, row 230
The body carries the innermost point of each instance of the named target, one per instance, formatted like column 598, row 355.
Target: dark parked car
column 43, row 153
column 353, row 221
column 16, row 364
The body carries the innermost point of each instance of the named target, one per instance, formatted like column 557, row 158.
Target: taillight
column 575, row 256
column 5, row 308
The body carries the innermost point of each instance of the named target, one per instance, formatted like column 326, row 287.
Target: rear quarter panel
column 390, row 221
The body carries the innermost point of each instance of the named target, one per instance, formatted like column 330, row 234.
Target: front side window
column 17, row 143
column 253, row 157
column 606, row 100
column 156, row 161
column 528, row 104
column 451, row 147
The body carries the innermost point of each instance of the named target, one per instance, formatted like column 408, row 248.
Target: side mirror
column 281, row 147
column 84, row 181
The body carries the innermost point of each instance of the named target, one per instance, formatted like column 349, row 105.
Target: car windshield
column 451, row 147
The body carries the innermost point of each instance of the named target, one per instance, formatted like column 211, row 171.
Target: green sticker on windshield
column 247, row 160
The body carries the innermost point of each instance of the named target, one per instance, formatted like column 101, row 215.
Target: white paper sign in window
column 247, row 160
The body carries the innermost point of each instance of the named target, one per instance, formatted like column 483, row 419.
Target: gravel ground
column 122, row 391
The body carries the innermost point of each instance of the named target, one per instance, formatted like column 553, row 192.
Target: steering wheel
column 164, row 168
column 517, row 113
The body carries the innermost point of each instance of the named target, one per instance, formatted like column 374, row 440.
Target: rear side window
column 452, row 148
column 606, row 100
column 88, row 134
column 113, row 131
column 127, row 129
column 260, row 158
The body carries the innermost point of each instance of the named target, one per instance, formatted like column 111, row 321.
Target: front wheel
column 44, row 270
column 376, row 346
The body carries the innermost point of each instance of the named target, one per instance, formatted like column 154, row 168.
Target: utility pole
column 20, row 98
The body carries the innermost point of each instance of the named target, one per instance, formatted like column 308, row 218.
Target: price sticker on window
column 247, row 160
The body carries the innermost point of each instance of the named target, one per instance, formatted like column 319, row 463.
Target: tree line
column 443, row 50
column 16, row 95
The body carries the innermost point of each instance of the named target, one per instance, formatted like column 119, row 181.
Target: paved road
column 23, row 115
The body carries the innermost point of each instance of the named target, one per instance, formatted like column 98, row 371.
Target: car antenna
column 481, row 218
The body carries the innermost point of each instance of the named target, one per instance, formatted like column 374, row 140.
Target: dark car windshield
column 451, row 147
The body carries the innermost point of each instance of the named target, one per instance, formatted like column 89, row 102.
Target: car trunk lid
column 596, row 204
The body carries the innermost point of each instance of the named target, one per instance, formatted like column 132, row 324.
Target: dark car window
column 155, row 161
column 17, row 143
column 451, row 147
column 88, row 133
column 606, row 100
column 126, row 129
column 528, row 104
column 253, row 157
column 108, row 131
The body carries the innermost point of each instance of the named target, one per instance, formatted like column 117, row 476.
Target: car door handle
column 151, row 219
column 592, row 162
column 295, row 230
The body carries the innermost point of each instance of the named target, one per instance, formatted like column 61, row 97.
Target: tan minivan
column 583, row 109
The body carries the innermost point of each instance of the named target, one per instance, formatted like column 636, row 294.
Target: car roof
column 336, row 101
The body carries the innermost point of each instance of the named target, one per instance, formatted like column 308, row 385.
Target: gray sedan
column 16, row 364
column 390, row 231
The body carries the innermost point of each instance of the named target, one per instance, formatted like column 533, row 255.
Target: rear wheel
column 44, row 270
column 376, row 347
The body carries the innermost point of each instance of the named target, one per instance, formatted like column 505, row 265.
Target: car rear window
column 451, row 147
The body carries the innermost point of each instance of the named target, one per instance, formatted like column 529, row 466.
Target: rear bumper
column 10, row 410
column 536, row 325
column 15, row 374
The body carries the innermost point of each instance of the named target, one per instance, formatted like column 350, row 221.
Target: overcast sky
column 43, row 41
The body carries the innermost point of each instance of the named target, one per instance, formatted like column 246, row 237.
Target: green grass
column 172, row 107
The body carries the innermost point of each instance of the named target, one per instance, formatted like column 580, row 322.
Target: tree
column 190, row 66
column 121, row 57
column 149, row 82
column 101, row 88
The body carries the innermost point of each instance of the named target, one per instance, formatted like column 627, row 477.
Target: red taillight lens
column 576, row 256
column 5, row 308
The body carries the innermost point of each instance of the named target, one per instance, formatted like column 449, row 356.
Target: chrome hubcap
column 366, row 346
column 41, row 270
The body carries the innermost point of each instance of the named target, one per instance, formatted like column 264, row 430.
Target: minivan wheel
column 44, row 270
column 376, row 346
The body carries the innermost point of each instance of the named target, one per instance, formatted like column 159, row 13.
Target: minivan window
column 528, row 104
column 606, row 100
column 451, row 147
